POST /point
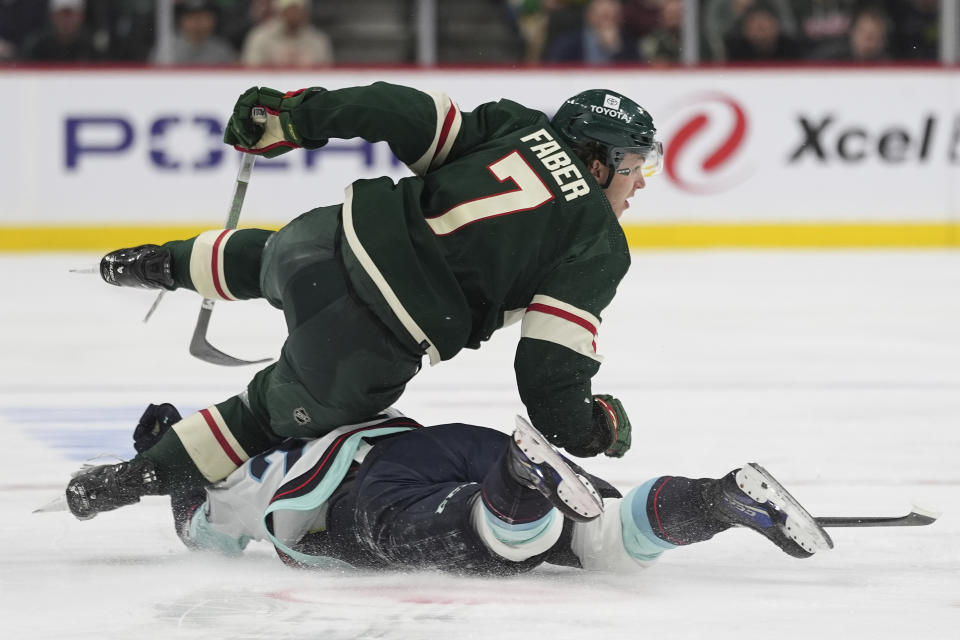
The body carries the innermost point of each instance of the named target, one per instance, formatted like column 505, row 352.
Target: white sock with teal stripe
column 517, row 541
column 639, row 540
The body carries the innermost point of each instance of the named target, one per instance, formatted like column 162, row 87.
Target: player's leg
column 340, row 364
column 533, row 462
column 416, row 503
column 514, row 519
column 222, row 264
column 194, row 451
column 672, row 511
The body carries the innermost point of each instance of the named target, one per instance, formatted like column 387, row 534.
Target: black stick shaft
column 912, row 519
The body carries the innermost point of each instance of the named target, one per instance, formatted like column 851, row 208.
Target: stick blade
column 918, row 517
column 201, row 349
column 923, row 516
column 205, row 351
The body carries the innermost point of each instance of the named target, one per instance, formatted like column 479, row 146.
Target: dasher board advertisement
column 753, row 149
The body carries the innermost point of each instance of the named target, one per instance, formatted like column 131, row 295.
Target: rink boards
column 762, row 157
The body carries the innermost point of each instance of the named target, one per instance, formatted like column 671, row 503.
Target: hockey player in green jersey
column 510, row 216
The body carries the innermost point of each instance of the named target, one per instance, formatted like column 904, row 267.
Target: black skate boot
column 145, row 267
column 535, row 463
column 751, row 497
column 111, row 486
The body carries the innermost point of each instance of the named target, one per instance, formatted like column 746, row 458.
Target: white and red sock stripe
column 449, row 121
column 206, row 264
column 556, row 321
column 210, row 444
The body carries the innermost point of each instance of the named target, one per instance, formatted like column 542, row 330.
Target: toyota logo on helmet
column 613, row 121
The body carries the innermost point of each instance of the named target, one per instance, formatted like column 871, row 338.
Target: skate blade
column 57, row 504
column 86, row 270
column 800, row 526
column 576, row 492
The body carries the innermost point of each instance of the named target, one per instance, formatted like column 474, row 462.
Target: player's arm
column 424, row 129
column 419, row 127
column 410, row 121
column 557, row 357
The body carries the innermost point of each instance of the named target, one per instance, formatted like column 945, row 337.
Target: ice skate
column 751, row 497
column 534, row 462
column 147, row 266
column 110, row 486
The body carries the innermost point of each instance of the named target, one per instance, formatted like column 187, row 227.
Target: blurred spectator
column 531, row 18
column 64, row 39
column 128, row 25
column 824, row 23
column 18, row 19
column 642, row 17
column 288, row 39
column 601, row 40
column 917, row 32
column 663, row 46
column 721, row 18
column 544, row 21
column 239, row 17
column 867, row 41
column 196, row 41
column 759, row 37
column 564, row 16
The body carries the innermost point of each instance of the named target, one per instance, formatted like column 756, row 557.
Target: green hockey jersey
column 501, row 222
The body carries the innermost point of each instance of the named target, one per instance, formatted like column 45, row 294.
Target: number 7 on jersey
column 530, row 193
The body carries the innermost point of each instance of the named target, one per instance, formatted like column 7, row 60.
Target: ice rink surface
column 838, row 371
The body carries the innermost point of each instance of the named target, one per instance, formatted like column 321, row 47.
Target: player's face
column 627, row 180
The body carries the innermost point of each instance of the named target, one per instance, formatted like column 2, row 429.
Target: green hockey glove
column 274, row 137
column 609, row 414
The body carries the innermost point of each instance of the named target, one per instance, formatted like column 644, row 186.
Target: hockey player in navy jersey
column 509, row 216
column 387, row 493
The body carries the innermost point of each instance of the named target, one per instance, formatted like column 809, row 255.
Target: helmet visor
column 653, row 160
column 652, row 157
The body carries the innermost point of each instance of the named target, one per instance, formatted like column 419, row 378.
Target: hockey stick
column 200, row 347
column 916, row 518
column 258, row 115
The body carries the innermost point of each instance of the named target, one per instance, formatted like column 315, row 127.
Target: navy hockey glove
column 155, row 421
column 278, row 135
column 609, row 415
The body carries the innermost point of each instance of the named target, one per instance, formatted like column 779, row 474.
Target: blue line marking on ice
column 78, row 433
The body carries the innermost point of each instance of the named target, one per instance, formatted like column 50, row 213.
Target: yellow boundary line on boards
column 793, row 236
column 652, row 236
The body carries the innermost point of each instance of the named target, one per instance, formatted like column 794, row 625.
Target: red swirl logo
column 702, row 154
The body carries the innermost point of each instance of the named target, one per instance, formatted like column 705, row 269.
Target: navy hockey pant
column 409, row 504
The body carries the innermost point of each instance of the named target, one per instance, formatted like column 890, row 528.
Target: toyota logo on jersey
column 705, row 145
